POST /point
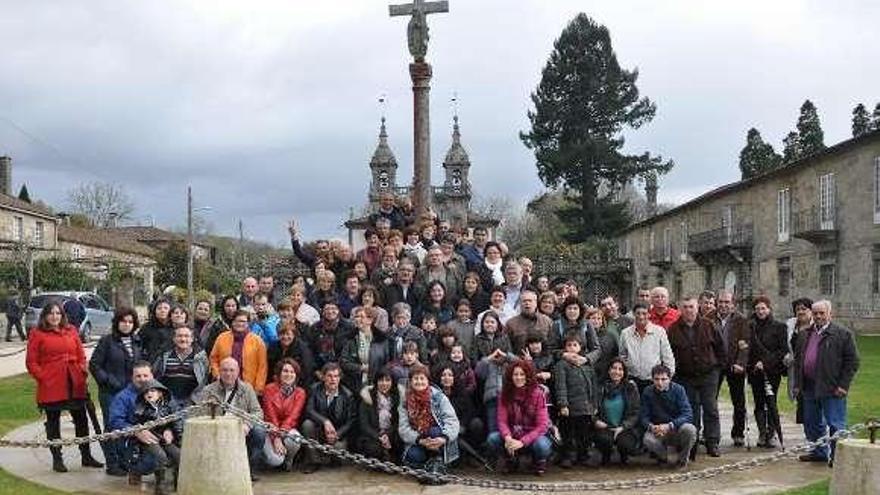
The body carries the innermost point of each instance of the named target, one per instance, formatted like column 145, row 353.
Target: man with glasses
column 404, row 288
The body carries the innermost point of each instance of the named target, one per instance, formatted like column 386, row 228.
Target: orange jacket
column 253, row 355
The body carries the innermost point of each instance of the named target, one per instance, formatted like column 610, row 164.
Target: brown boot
column 134, row 479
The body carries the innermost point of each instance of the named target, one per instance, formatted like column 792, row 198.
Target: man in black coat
column 404, row 288
column 699, row 355
column 330, row 414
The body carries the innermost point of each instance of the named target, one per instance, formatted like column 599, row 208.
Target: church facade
column 450, row 200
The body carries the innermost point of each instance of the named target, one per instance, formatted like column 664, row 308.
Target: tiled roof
column 743, row 184
column 11, row 202
column 148, row 234
column 103, row 238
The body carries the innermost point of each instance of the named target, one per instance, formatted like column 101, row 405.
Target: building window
column 783, row 267
column 679, row 286
column 18, row 229
column 651, row 244
column 683, row 241
column 877, row 190
column 707, row 281
column 783, row 214
column 827, row 278
column 667, row 244
column 75, row 252
column 876, row 276
column 826, row 202
column 39, row 234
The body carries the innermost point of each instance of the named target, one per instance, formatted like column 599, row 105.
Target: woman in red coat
column 56, row 360
column 283, row 404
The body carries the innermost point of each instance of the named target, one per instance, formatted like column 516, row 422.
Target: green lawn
column 17, row 408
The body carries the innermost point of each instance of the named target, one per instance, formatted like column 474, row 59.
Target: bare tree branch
column 102, row 203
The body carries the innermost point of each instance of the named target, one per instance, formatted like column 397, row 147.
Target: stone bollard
column 856, row 468
column 213, row 458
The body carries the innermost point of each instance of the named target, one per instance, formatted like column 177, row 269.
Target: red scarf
column 418, row 405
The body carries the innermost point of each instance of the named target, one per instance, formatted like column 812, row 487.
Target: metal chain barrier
column 102, row 437
column 640, row 483
column 14, row 353
column 23, row 348
column 370, row 463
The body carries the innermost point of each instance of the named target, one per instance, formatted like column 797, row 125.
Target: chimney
column 6, row 175
column 65, row 218
column 651, row 193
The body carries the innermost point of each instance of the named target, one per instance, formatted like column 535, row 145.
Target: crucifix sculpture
column 420, row 72
column 417, row 29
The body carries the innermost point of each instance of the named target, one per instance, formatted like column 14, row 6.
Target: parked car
column 92, row 309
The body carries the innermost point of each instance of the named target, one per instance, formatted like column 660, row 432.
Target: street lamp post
column 190, row 290
column 190, row 294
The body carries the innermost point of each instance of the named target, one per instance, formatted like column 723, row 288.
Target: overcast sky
column 269, row 108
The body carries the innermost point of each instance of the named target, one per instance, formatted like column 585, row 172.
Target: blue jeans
column 823, row 415
column 540, row 448
column 417, row 456
column 256, row 437
column 492, row 414
column 113, row 457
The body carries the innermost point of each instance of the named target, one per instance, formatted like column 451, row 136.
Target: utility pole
column 190, row 294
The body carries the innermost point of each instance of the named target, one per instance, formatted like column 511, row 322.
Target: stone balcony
column 734, row 242
column 811, row 225
column 660, row 257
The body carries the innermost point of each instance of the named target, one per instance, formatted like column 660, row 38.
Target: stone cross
column 420, row 73
column 417, row 30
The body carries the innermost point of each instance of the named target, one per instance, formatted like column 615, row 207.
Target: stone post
column 214, row 458
column 420, row 72
column 856, row 467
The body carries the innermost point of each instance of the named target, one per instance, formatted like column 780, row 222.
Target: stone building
column 808, row 229
column 23, row 225
column 96, row 250
column 451, row 200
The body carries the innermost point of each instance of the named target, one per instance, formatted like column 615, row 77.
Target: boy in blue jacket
column 667, row 418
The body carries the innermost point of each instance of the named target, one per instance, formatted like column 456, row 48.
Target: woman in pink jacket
column 522, row 420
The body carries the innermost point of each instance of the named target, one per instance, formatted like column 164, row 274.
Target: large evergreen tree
column 811, row 139
column 875, row 118
column 791, row 147
column 861, row 121
column 582, row 104
column 23, row 193
column 757, row 157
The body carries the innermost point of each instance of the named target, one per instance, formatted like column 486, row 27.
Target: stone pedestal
column 420, row 72
column 214, row 458
column 856, row 468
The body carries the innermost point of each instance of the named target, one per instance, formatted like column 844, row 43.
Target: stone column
column 213, row 458
column 856, row 467
column 420, row 72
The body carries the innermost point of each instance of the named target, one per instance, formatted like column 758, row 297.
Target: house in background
column 23, row 224
column 97, row 250
column 808, row 229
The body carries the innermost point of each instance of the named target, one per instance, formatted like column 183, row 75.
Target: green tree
column 811, row 139
column 875, row 118
column 582, row 104
column 23, row 193
column 861, row 121
column 757, row 157
column 791, row 147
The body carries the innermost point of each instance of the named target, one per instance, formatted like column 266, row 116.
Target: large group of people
column 429, row 348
